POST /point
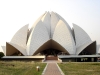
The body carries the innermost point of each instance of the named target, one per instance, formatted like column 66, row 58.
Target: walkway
column 52, row 69
column 52, row 61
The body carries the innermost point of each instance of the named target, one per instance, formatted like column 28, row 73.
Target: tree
column 1, row 54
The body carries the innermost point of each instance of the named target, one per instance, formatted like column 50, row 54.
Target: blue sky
column 16, row 13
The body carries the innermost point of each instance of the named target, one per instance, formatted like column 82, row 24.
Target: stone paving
column 52, row 69
column 52, row 61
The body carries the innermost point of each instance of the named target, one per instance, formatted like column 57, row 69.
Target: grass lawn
column 20, row 68
column 80, row 68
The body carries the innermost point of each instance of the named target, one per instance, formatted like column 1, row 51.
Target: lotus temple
column 51, row 38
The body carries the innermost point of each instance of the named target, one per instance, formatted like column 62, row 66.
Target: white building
column 51, row 35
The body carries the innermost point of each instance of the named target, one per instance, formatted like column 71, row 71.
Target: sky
column 14, row 14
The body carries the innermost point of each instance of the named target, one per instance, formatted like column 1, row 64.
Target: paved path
column 52, row 61
column 52, row 69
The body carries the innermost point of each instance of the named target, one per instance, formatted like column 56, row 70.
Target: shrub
column 1, row 54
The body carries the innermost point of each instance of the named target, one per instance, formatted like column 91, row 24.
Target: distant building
column 51, row 35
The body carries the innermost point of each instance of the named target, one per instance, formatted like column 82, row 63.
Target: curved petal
column 54, row 21
column 81, row 36
column 46, row 19
column 20, row 38
column 90, row 47
column 35, row 23
column 63, row 36
column 10, row 50
column 13, row 48
column 4, row 49
column 37, row 38
column 65, row 22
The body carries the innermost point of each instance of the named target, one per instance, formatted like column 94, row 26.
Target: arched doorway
column 51, row 47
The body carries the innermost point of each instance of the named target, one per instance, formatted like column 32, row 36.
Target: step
column 51, row 58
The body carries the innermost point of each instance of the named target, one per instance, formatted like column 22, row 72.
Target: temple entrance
column 52, row 52
column 51, row 47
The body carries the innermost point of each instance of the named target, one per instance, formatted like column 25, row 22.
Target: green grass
column 80, row 68
column 20, row 68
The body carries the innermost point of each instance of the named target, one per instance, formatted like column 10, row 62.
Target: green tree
column 1, row 54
